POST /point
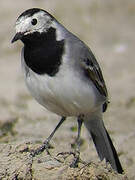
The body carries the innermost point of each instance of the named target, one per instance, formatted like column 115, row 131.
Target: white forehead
column 24, row 22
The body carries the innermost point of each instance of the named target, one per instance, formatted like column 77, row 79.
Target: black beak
column 17, row 37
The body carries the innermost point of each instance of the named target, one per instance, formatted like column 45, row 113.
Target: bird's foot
column 39, row 150
column 76, row 159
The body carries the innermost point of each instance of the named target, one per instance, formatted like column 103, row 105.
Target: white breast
column 65, row 94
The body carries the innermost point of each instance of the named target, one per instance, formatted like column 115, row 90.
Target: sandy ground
column 108, row 28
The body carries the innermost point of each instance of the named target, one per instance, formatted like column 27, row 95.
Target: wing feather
column 94, row 73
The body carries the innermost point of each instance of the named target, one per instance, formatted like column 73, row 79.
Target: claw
column 44, row 146
column 66, row 153
column 75, row 162
column 76, row 159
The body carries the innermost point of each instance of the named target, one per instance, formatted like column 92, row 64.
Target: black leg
column 45, row 144
column 77, row 144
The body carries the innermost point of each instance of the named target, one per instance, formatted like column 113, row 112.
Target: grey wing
column 93, row 71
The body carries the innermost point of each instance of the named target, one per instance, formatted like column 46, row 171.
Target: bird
column 63, row 75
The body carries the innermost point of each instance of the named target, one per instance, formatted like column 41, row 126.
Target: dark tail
column 103, row 142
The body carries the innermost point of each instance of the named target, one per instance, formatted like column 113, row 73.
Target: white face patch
column 59, row 32
column 24, row 23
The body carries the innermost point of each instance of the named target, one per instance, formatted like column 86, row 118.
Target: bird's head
column 32, row 21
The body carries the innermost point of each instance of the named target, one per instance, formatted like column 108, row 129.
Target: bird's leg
column 76, row 153
column 77, row 144
column 45, row 144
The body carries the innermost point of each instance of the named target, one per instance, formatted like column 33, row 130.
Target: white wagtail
column 63, row 75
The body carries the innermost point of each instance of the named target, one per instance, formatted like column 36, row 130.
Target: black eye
column 34, row 22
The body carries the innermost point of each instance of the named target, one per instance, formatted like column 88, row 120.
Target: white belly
column 64, row 94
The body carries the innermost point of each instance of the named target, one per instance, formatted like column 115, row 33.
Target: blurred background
column 107, row 27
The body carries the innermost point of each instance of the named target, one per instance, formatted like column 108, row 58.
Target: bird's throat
column 43, row 53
